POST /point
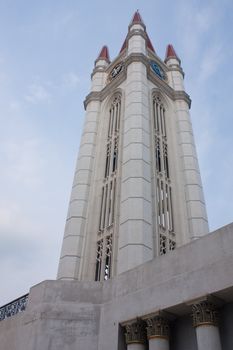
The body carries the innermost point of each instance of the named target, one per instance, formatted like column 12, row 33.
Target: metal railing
column 14, row 307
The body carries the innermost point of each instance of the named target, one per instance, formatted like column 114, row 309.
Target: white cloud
column 2, row 59
column 37, row 93
column 193, row 23
column 14, row 221
column 70, row 80
column 15, row 106
column 211, row 60
column 23, row 162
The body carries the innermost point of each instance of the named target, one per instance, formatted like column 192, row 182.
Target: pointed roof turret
column 171, row 53
column 137, row 18
column 104, row 54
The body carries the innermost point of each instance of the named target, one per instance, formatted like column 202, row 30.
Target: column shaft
column 158, row 344
column 135, row 231
column 208, row 338
column 205, row 320
column 136, row 346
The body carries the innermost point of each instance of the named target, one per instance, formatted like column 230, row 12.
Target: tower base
column 72, row 315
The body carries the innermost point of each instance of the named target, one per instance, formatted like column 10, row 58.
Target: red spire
column 149, row 44
column 137, row 18
column 104, row 54
column 124, row 45
column 171, row 53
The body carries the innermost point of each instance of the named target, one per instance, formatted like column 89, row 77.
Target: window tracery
column 164, row 208
column 108, row 197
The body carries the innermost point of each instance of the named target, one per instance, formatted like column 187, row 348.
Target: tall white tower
column 137, row 190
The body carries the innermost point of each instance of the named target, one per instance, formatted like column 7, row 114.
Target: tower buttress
column 191, row 179
column 99, row 74
column 72, row 252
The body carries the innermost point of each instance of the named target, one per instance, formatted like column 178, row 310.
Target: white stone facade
column 156, row 194
column 132, row 273
column 77, row 315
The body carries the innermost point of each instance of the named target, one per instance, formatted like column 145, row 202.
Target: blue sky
column 47, row 51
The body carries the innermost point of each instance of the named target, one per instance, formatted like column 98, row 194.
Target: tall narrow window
column 108, row 258
column 165, row 225
column 108, row 199
column 99, row 255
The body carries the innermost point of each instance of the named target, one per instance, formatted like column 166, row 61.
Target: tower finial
column 171, row 53
column 104, row 54
column 137, row 18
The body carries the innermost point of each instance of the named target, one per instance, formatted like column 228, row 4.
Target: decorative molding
column 157, row 327
column 137, row 57
column 133, row 32
column 101, row 95
column 135, row 332
column 173, row 68
column 204, row 313
column 170, row 92
column 14, row 307
column 98, row 69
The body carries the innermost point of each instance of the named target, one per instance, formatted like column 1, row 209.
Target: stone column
column 205, row 320
column 157, row 333
column 135, row 335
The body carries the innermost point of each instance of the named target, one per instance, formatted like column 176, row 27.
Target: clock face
column 116, row 70
column 157, row 70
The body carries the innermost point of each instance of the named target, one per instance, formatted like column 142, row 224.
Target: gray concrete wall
column 70, row 315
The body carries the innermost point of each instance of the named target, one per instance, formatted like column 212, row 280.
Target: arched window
column 105, row 237
column 164, row 210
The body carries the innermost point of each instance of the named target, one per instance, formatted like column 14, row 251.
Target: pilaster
column 135, row 232
column 191, row 179
column 190, row 176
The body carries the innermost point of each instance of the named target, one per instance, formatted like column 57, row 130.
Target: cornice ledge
column 170, row 92
column 136, row 57
column 92, row 96
column 98, row 69
column 110, row 87
column 140, row 57
column 160, row 83
column 136, row 32
column 176, row 68
column 182, row 95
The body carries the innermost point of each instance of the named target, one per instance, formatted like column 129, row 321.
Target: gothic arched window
column 103, row 270
column 164, row 210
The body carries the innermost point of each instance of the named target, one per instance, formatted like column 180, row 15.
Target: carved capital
column 157, row 327
column 135, row 332
column 204, row 313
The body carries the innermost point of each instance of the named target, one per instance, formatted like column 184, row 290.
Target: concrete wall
column 70, row 315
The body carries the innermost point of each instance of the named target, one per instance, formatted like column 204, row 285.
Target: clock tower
column 137, row 190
